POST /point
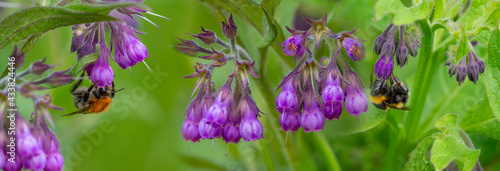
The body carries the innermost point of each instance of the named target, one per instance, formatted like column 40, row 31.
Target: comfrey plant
column 90, row 38
column 30, row 145
column 313, row 91
column 229, row 112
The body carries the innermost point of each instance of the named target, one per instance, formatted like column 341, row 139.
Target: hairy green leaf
column 452, row 147
column 103, row 9
column 418, row 158
column 492, row 71
column 349, row 124
column 25, row 23
column 480, row 119
column 270, row 28
column 84, row 61
column 402, row 14
column 481, row 15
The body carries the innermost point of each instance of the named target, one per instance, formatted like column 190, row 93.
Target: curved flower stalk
column 395, row 41
column 128, row 48
column 230, row 112
column 313, row 91
column 36, row 146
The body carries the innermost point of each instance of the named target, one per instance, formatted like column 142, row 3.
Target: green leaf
column 452, row 146
column 200, row 163
column 103, row 9
column 349, row 124
column 270, row 28
column 492, row 71
column 402, row 14
column 418, row 157
column 25, row 23
column 481, row 15
column 480, row 119
column 84, row 61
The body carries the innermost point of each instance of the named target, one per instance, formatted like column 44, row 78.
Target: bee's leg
column 77, row 84
column 86, row 95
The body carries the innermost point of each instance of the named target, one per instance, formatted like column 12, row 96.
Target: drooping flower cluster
column 313, row 91
column 385, row 46
column 30, row 145
column 230, row 112
column 90, row 38
column 469, row 66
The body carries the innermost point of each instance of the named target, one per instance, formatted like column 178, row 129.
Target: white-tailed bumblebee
column 391, row 93
column 92, row 99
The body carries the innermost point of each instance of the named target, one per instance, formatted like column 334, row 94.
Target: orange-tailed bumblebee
column 391, row 93
column 92, row 99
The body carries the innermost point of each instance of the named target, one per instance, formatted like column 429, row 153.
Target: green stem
column 327, row 153
column 427, row 65
column 266, row 156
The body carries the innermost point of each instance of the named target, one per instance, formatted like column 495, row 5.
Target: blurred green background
column 141, row 130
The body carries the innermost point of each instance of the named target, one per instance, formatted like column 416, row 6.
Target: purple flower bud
column 190, row 129
column 36, row 161
column 389, row 46
column 461, row 71
column 208, row 37
column 312, row 118
column 218, row 112
column 355, row 50
column 402, row 52
column 39, row 67
column 413, row 44
column 55, row 160
column 229, row 28
column 18, row 57
column 12, row 166
column 129, row 50
column 290, row 121
column 287, row 99
column 480, row 63
column 380, row 40
column 472, row 68
column 209, row 130
column 251, row 129
column 60, row 78
column 332, row 96
column 355, row 99
column 452, row 70
column 293, row 45
column 190, row 47
column 101, row 72
column 232, row 129
column 383, row 66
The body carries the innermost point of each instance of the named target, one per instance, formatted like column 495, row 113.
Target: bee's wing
column 81, row 111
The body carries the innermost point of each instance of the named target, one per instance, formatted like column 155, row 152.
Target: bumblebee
column 92, row 99
column 391, row 93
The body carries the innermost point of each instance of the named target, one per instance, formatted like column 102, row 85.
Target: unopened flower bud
column 229, row 28
column 461, row 71
column 208, row 37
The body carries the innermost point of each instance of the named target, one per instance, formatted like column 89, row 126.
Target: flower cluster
column 469, row 66
column 385, row 46
column 230, row 112
column 90, row 38
column 30, row 145
column 333, row 79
